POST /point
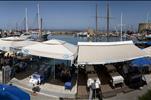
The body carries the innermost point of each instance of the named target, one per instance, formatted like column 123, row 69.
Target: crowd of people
column 15, row 64
column 63, row 73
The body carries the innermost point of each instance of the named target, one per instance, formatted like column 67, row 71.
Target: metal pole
column 147, row 21
column 121, row 26
column 108, row 21
column 26, row 20
column 38, row 18
column 41, row 26
column 54, row 70
column 96, row 19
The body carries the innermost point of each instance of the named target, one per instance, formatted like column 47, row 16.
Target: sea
column 74, row 40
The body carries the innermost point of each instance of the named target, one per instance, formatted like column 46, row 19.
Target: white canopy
column 148, row 51
column 6, row 44
column 107, row 52
column 52, row 49
column 13, row 39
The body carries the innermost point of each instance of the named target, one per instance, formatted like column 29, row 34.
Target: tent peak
column 54, row 42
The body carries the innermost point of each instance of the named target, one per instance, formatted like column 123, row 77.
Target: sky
column 73, row 14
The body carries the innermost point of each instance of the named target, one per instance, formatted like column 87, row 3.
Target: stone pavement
column 50, row 95
column 47, row 90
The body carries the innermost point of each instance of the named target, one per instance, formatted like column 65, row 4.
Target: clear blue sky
column 73, row 14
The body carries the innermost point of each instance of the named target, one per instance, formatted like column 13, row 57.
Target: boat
column 25, row 35
column 82, row 34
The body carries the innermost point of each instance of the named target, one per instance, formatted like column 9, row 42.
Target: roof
column 107, row 52
column 6, row 45
column 52, row 49
column 148, row 51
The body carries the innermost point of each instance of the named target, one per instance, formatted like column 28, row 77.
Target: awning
column 7, row 44
column 56, row 49
column 107, row 52
column 148, row 51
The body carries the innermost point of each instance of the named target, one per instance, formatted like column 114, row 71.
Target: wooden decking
column 82, row 92
column 106, row 89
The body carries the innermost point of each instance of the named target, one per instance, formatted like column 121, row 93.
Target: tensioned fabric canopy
column 6, row 44
column 54, row 48
column 107, row 52
column 148, row 51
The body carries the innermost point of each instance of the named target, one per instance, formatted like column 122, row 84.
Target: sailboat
column 34, row 35
column 26, row 35
column 37, row 35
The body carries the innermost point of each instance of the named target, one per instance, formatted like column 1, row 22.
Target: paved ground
column 127, row 96
column 41, row 97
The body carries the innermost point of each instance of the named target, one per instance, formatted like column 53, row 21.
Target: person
column 97, row 83
column 89, row 82
column 34, row 89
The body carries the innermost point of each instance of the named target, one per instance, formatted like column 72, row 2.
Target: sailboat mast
column 108, row 17
column 147, row 20
column 121, row 25
column 38, row 18
column 96, row 18
column 26, row 20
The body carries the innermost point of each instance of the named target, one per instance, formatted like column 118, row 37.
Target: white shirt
column 89, row 82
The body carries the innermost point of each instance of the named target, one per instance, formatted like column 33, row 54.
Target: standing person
column 34, row 89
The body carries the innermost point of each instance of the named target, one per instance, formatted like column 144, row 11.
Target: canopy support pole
column 54, row 69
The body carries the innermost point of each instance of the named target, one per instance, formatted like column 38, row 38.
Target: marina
column 89, row 62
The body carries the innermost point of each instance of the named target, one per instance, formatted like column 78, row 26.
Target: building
column 143, row 27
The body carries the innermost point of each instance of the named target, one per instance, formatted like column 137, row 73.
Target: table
column 116, row 78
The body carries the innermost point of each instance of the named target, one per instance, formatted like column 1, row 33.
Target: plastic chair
column 68, row 85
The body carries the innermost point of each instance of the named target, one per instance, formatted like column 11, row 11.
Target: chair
column 68, row 85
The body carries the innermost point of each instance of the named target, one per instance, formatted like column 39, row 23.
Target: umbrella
column 8, row 92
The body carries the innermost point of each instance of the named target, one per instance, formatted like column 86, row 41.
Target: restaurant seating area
column 109, row 86
column 102, row 75
column 62, row 72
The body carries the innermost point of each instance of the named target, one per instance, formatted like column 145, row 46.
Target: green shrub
column 146, row 96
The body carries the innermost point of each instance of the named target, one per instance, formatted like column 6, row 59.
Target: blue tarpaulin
column 148, row 42
column 144, row 43
column 141, row 62
column 8, row 92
